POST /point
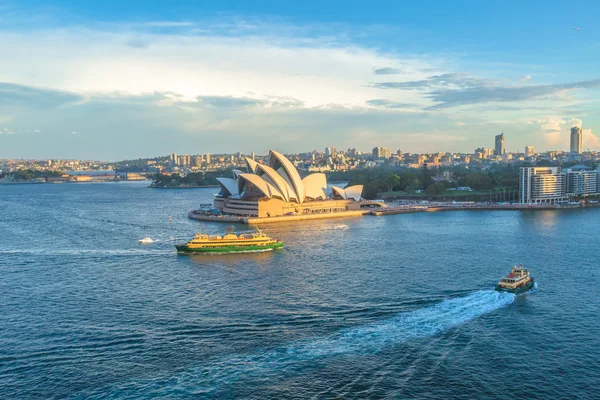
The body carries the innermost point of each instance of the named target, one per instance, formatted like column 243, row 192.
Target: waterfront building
column 541, row 185
column 529, row 151
column 499, row 144
column 276, row 189
column 581, row 182
column 576, row 140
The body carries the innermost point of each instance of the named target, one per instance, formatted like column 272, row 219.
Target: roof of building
column 280, row 179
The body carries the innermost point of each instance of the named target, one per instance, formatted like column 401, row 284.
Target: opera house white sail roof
column 280, row 179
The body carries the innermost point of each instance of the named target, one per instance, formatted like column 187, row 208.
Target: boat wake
column 85, row 252
column 362, row 340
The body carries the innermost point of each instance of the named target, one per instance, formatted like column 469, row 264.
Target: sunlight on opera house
column 276, row 190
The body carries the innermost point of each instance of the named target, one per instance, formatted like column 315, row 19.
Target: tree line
column 409, row 181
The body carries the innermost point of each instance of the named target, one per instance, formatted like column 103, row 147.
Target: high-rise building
column 173, row 158
column 499, row 147
column 485, row 153
column 576, row 140
column 581, row 182
column 333, row 152
column 207, row 158
column 252, row 155
column 381, row 153
column 529, row 151
column 541, row 185
column 198, row 161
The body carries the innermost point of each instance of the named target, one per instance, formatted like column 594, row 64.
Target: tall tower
column 576, row 140
column 499, row 148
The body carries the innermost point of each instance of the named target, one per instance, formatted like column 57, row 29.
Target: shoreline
column 383, row 212
column 183, row 187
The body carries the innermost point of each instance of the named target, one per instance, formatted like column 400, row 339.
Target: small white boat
column 146, row 240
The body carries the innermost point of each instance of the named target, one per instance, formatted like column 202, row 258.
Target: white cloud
column 253, row 86
column 315, row 71
column 557, row 132
column 6, row 131
column 74, row 133
column 525, row 78
column 590, row 140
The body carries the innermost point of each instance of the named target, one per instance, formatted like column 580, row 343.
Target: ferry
column 518, row 281
column 230, row 243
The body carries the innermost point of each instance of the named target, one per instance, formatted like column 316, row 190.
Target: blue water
column 374, row 307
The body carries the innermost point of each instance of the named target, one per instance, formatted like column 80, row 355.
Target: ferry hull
column 519, row 290
column 228, row 249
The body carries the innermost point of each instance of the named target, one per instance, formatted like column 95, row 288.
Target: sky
column 119, row 80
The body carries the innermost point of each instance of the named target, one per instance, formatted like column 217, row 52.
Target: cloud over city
column 453, row 90
column 253, row 81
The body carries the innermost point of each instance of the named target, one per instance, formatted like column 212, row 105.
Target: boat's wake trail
column 366, row 339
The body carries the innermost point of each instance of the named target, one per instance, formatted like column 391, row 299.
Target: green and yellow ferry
column 230, row 243
column 517, row 281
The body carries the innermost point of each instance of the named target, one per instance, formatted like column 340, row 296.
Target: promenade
column 442, row 206
column 390, row 210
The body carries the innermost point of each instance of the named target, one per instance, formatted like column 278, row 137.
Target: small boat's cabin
column 516, row 277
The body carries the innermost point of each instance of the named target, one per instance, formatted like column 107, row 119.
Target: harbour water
column 370, row 307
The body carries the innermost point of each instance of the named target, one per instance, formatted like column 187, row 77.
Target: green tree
column 391, row 182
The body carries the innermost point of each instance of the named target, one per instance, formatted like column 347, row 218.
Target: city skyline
column 124, row 81
column 330, row 153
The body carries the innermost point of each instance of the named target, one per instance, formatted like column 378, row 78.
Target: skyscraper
column 529, row 151
column 499, row 148
column 207, row 158
column 576, row 140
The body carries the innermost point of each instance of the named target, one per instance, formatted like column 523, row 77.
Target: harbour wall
column 392, row 210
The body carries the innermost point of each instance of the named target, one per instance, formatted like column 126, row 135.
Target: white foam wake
column 366, row 339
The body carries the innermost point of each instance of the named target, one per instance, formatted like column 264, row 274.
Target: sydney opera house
column 276, row 189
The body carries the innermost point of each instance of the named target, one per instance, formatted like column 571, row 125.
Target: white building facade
column 542, row 185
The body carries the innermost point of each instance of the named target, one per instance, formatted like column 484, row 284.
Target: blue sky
column 116, row 79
